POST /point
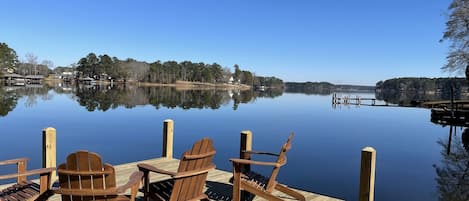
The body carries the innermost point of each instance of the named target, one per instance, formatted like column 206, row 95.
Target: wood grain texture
column 217, row 186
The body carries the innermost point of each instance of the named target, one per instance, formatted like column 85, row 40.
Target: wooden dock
column 357, row 101
column 217, row 185
column 449, row 112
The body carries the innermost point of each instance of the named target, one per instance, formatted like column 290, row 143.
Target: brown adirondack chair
column 25, row 189
column 188, row 182
column 85, row 177
column 258, row 184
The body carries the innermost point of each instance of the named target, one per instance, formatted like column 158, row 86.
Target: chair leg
column 146, row 184
column 262, row 193
column 236, row 182
column 290, row 192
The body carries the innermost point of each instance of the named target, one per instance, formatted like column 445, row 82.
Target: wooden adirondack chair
column 85, row 177
column 189, row 181
column 258, row 184
column 24, row 189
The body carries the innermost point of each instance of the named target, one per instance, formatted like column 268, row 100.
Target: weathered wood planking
column 217, row 187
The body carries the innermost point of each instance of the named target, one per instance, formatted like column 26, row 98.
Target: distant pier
column 354, row 100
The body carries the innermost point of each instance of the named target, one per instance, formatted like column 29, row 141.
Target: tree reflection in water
column 105, row 97
column 8, row 101
column 453, row 173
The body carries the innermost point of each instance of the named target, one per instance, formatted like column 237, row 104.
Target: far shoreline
column 179, row 85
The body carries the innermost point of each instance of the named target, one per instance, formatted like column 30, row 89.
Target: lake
column 124, row 124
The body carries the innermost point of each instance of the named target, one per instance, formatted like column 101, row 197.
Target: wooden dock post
column 245, row 145
column 168, row 130
column 49, row 149
column 367, row 174
column 21, row 166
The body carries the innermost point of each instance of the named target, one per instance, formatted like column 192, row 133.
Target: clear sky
column 340, row 41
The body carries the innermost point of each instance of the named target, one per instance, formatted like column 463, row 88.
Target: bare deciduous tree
column 32, row 59
column 457, row 31
column 48, row 63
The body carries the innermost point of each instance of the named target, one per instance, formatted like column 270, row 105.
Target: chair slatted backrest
column 83, row 175
column 282, row 160
column 197, row 161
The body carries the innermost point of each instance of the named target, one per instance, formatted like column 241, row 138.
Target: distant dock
column 356, row 100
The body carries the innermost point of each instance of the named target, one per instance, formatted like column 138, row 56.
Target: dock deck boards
column 217, row 186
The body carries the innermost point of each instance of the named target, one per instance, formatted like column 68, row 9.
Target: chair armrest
column 252, row 162
column 134, row 181
column 13, row 161
column 260, row 152
column 28, row 173
column 146, row 167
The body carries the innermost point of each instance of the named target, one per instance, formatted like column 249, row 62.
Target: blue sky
column 340, row 41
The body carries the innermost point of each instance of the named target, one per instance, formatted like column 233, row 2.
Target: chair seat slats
column 21, row 191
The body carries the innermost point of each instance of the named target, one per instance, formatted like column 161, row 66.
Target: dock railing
column 367, row 169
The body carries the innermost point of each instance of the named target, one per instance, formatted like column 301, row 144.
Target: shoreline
column 179, row 85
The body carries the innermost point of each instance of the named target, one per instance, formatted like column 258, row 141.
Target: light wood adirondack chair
column 258, row 184
column 189, row 181
column 25, row 189
column 85, row 177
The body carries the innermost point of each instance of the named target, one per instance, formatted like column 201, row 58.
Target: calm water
column 125, row 125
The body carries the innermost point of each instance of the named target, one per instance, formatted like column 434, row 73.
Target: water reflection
column 8, row 101
column 105, row 97
column 453, row 172
column 414, row 98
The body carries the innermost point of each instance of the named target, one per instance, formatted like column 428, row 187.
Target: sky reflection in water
column 325, row 156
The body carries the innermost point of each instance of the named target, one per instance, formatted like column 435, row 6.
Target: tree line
column 30, row 65
column 324, row 88
column 413, row 91
column 107, row 67
column 168, row 72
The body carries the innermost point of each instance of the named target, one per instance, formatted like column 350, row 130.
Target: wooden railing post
column 245, row 145
column 168, row 129
column 367, row 174
column 21, row 166
column 49, row 150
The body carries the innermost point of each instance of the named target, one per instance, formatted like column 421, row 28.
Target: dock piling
column 367, row 174
column 245, row 146
column 168, row 130
column 49, row 149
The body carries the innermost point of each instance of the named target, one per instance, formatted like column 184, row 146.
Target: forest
column 105, row 67
column 168, row 72
column 411, row 91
